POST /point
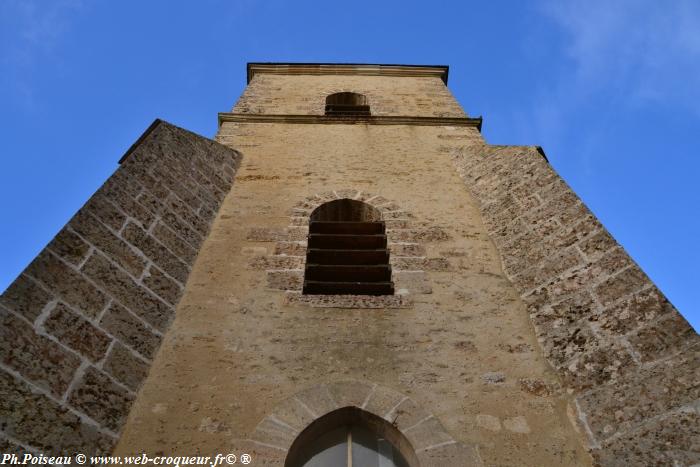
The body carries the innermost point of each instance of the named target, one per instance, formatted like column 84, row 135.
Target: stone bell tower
column 348, row 275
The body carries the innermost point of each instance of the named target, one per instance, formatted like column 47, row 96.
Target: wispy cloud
column 32, row 32
column 648, row 48
column 610, row 58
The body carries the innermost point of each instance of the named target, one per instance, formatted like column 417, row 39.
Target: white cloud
column 33, row 33
column 648, row 49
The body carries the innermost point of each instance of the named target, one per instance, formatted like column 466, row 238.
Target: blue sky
column 610, row 89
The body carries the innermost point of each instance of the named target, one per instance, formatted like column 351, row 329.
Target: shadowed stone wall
column 628, row 356
column 80, row 326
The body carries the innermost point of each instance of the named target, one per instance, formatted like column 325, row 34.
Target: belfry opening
column 347, row 251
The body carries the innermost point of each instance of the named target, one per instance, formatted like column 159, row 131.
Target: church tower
column 349, row 275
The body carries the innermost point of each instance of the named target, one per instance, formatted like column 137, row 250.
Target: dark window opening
column 347, row 251
column 347, row 104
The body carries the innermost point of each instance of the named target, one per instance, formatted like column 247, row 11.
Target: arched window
column 351, row 437
column 347, row 104
column 347, row 251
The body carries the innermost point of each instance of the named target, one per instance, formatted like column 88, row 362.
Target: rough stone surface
column 288, row 94
column 69, row 246
column 651, row 392
column 126, row 367
column 77, row 333
column 475, row 252
column 668, row 440
column 620, row 347
column 493, row 377
column 26, row 297
column 97, row 396
column 128, row 291
column 126, row 327
column 35, row 357
column 516, row 425
column 239, row 351
column 67, row 284
column 110, row 279
column 488, row 422
column 53, row 429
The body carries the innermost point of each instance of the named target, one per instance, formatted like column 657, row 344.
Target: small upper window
column 347, row 104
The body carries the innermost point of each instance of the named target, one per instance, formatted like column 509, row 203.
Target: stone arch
column 306, row 442
column 345, row 209
column 346, row 98
column 347, row 251
column 347, row 104
column 431, row 444
column 409, row 262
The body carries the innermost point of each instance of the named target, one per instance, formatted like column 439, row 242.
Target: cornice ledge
column 360, row 69
column 371, row 120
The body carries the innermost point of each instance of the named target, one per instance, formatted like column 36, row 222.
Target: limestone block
column 608, row 363
column 318, row 400
column 414, row 281
column 25, row 297
column 35, row 357
column 285, row 280
column 668, row 440
column 77, row 333
column 156, row 252
column 183, row 229
column 162, row 285
column 128, row 292
column 406, row 249
column 615, row 408
column 27, row 415
column 450, row 454
column 665, row 337
column 125, row 367
column 100, row 398
column 408, row 414
column 107, row 242
column 119, row 322
column 349, row 393
column 629, row 280
column 290, row 248
column 174, row 243
column 67, row 284
column 429, row 433
column 632, row 312
column 383, row 402
column 69, row 246
column 105, row 211
column 277, row 262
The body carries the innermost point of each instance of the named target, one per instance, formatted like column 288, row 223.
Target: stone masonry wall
column 463, row 349
column 387, row 96
column 82, row 323
column 629, row 358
